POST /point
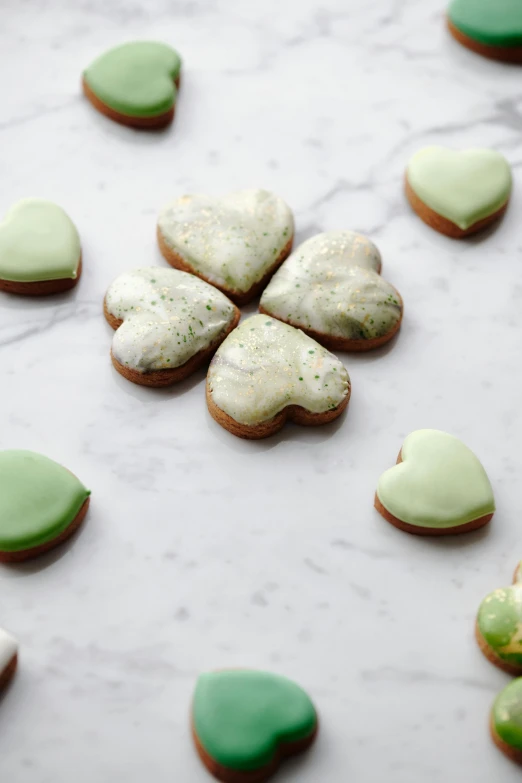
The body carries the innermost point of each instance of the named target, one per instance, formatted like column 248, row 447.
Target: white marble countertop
column 204, row 551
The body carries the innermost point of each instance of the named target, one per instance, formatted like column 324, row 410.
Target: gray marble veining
column 204, row 551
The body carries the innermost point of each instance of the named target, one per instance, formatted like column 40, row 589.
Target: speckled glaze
column 232, row 240
column 330, row 284
column 499, row 621
column 506, row 715
column 168, row 316
column 264, row 365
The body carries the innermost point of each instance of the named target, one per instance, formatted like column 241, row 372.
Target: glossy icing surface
column 462, row 186
column 500, row 621
column 491, row 22
column 136, row 79
column 331, row 284
column 506, row 715
column 38, row 499
column 241, row 717
column 8, row 649
column 168, row 316
column 232, row 240
column 440, row 483
column 265, row 365
column 38, row 241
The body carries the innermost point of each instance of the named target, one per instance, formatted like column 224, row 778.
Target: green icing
column 440, row 483
column 500, row 623
column 463, row 187
column 507, row 714
column 38, row 500
column 490, row 22
column 136, row 79
column 38, row 241
column 241, row 717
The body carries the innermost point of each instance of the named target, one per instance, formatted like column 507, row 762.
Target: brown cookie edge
column 239, row 298
column 26, row 554
column 493, row 657
column 442, row 224
column 142, row 123
column 41, row 287
column 507, row 54
column 8, row 673
column 513, row 753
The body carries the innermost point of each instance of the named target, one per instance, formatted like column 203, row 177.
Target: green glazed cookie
column 40, row 249
column 41, row 504
column 246, row 722
column 499, row 626
column 492, row 28
column 506, row 720
column 135, row 84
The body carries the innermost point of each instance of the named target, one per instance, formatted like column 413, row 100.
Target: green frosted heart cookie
column 455, row 192
column 39, row 248
column 41, row 503
column 247, row 721
column 490, row 27
column 135, row 83
column 499, row 626
column 438, row 486
column 506, row 720
column 330, row 287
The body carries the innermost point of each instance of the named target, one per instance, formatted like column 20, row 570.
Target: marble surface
column 204, row 551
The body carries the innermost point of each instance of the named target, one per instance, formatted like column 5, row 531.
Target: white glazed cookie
column 8, row 653
column 167, row 322
column 234, row 241
column 331, row 288
column 265, row 371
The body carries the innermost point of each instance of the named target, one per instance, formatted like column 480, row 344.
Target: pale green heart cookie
column 136, row 79
column 38, row 241
column 439, row 485
column 463, row 187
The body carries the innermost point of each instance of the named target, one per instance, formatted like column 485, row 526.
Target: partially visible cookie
column 245, row 723
column 168, row 323
column 492, row 28
column 266, row 372
column 40, row 249
column 330, row 287
column 506, row 720
column 438, row 487
column 41, row 504
column 236, row 241
column 135, row 84
column 499, row 626
column 458, row 192
column 8, row 657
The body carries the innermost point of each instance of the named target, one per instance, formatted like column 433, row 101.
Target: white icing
column 264, row 365
column 232, row 240
column 330, row 284
column 8, row 649
column 168, row 316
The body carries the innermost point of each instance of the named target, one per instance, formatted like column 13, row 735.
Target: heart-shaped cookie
column 330, row 288
column 266, row 372
column 8, row 657
column 458, row 193
column 135, row 84
column 499, row 626
column 168, row 323
column 41, row 504
column 437, row 487
column 40, row 249
column 236, row 242
column 246, row 722
column 492, row 29
column 506, row 720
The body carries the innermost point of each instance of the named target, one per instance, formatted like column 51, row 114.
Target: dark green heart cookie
column 492, row 28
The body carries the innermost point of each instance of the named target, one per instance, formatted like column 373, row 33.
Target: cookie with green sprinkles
column 245, row 723
column 506, row 720
column 266, row 372
column 135, row 84
column 168, row 323
column 499, row 626
column 235, row 241
column 330, row 287
column 41, row 504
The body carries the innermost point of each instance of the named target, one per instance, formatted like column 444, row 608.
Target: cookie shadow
column 41, row 562
column 155, row 394
column 458, row 541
